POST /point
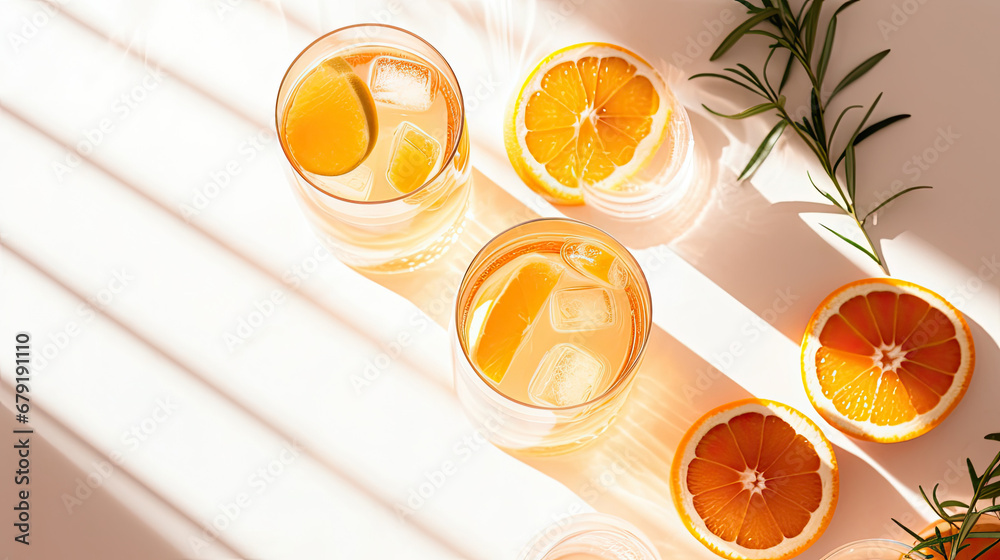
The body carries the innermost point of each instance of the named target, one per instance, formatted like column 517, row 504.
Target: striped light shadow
column 142, row 56
column 221, row 392
column 255, row 265
column 42, row 420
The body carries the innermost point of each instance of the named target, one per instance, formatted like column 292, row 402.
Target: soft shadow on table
column 683, row 214
column 626, row 471
column 98, row 525
column 432, row 288
column 761, row 253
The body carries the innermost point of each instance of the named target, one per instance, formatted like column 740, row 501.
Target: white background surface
column 344, row 390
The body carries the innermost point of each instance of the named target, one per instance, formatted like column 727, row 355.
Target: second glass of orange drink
column 551, row 322
column 372, row 124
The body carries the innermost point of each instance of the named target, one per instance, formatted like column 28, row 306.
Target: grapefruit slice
column 592, row 113
column 331, row 124
column 886, row 360
column 755, row 479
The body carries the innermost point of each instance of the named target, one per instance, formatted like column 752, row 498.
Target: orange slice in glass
column 331, row 125
column 505, row 310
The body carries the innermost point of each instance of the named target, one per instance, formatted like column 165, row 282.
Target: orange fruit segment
column 589, row 114
column 886, row 360
column 331, row 124
column 504, row 312
column 755, row 479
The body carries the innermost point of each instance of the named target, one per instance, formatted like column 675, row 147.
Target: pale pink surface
column 360, row 377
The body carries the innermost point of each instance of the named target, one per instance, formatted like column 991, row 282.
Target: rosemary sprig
column 797, row 34
column 985, row 488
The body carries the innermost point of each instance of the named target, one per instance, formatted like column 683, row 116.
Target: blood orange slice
column 755, row 479
column 886, row 360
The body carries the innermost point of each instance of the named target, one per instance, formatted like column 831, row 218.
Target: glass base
column 875, row 549
column 592, row 536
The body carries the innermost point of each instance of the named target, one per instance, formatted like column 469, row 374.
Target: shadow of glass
column 432, row 288
column 626, row 471
column 682, row 215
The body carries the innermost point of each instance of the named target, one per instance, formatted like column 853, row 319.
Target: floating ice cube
column 595, row 262
column 401, row 84
column 582, row 309
column 568, row 375
column 353, row 185
column 412, row 158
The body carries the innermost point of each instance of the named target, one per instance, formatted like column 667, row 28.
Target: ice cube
column 582, row 309
column 353, row 185
column 568, row 375
column 595, row 262
column 412, row 158
column 401, row 84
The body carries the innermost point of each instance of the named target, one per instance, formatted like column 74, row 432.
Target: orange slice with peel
column 331, row 124
column 505, row 310
column 886, row 360
column 755, row 479
column 592, row 114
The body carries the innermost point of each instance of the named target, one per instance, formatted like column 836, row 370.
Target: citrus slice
column 592, row 114
column 505, row 311
column 886, row 360
column 331, row 123
column 755, row 479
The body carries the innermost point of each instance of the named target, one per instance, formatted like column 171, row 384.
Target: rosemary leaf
column 751, row 9
column 872, row 129
column 738, row 33
column 755, row 110
column 727, row 78
column 894, row 197
column 855, row 245
column 812, row 25
column 859, row 71
column 831, row 31
column 824, row 193
column 763, row 150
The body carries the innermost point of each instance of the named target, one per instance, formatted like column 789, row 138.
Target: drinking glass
column 396, row 231
column 590, row 536
column 875, row 549
column 551, row 322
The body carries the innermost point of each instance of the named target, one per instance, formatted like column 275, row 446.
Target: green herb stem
column 798, row 35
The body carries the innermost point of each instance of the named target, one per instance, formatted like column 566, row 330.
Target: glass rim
column 278, row 116
column 582, row 523
column 888, row 543
column 627, row 372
